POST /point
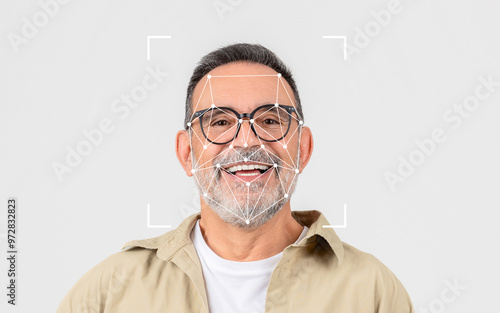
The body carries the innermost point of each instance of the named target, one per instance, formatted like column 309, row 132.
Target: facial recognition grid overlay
column 235, row 183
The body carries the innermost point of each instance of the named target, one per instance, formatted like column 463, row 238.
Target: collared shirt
column 163, row 274
column 234, row 286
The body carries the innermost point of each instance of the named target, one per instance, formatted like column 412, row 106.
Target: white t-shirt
column 235, row 286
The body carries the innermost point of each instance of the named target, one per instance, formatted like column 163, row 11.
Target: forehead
column 242, row 86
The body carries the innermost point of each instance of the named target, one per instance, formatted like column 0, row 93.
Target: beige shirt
column 163, row 274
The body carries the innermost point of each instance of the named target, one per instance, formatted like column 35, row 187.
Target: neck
column 244, row 245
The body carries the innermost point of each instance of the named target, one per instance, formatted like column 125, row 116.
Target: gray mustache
column 255, row 154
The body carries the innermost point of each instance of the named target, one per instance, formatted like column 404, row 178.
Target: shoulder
column 365, row 263
column 356, row 257
column 131, row 259
column 140, row 262
column 117, row 264
column 149, row 243
column 134, row 254
column 112, row 275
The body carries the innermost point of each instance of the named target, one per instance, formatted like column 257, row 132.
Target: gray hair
column 252, row 53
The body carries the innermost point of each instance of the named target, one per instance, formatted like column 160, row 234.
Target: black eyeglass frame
column 289, row 109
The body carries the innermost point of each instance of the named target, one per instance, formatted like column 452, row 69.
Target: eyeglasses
column 221, row 125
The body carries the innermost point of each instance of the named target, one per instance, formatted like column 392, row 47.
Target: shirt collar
column 326, row 237
column 169, row 243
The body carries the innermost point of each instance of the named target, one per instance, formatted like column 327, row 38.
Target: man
column 245, row 144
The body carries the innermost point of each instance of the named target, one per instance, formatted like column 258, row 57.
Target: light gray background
column 439, row 225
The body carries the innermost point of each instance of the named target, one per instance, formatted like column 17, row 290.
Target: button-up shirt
column 163, row 274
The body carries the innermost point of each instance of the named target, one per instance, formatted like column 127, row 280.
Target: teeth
column 246, row 167
column 250, row 174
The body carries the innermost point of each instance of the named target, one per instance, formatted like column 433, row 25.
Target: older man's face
column 248, row 179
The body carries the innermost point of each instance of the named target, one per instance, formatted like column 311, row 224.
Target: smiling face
column 244, row 140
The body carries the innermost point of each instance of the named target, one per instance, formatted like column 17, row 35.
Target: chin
column 257, row 216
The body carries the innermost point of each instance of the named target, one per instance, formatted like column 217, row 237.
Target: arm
column 391, row 295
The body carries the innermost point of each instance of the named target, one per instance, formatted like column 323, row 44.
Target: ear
column 183, row 151
column 306, row 147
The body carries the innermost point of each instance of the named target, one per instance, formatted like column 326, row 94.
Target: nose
column 246, row 137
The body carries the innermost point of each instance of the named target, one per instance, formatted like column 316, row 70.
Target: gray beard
column 235, row 203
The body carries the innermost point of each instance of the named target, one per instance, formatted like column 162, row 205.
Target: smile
column 247, row 171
